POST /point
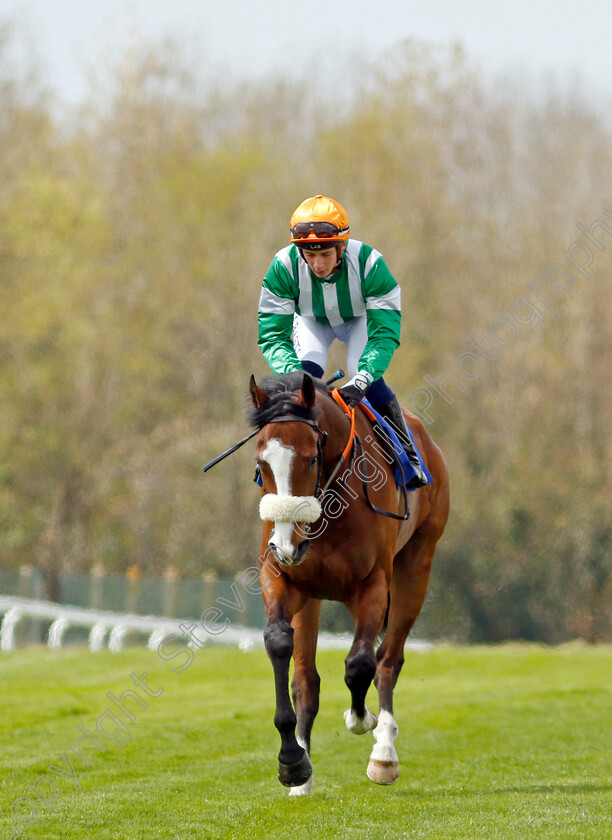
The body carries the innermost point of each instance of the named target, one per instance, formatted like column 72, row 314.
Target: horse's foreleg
column 306, row 681
column 294, row 766
column 368, row 610
column 360, row 667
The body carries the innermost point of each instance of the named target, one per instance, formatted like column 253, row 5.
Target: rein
column 229, row 451
column 285, row 418
column 337, row 375
column 348, row 449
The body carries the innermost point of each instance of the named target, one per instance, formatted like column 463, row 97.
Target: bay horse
column 336, row 528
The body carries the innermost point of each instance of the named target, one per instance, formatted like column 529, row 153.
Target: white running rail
column 110, row 628
column 101, row 624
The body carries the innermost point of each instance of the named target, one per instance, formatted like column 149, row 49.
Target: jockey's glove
column 354, row 391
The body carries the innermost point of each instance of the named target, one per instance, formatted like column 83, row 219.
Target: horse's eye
column 313, row 461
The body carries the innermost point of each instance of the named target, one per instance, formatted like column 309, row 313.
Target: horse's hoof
column 302, row 790
column 383, row 772
column 292, row 775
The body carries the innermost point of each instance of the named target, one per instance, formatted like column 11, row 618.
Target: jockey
column 325, row 286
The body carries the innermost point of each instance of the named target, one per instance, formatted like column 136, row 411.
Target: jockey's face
column 324, row 262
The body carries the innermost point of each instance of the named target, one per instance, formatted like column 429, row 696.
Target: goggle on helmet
column 318, row 223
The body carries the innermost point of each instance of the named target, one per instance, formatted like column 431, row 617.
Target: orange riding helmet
column 318, row 223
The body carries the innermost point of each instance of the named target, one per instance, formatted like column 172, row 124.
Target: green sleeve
column 276, row 342
column 383, row 341
column 277, row 302
column 383, row 306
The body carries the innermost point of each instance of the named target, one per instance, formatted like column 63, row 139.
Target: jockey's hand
column 354, row 391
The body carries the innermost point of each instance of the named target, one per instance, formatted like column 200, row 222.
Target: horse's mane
column 282, row 388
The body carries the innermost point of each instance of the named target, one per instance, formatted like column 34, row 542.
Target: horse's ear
column 308, row 391
column 258, row 396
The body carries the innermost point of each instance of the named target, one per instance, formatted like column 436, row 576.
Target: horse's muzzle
column 291, row 516
column 292, row 558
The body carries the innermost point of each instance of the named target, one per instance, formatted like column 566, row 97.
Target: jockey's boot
column 392, row 412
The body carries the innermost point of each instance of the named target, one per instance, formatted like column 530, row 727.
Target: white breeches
column 312, row 340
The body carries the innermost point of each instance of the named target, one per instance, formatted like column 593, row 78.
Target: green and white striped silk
column 363, row 285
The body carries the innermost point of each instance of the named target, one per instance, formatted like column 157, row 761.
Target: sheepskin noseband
column 289, row 508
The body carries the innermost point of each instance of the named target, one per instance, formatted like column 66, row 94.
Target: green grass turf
column 502, row 742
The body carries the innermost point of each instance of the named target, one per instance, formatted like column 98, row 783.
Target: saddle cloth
column 404, row 471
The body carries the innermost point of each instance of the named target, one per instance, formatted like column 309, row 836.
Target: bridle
column 321, row 441
column 353, row 445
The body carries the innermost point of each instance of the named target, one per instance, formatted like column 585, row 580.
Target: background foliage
column 133, row 239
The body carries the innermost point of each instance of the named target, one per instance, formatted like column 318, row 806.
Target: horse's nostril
column 301, row 551
column 290, row 556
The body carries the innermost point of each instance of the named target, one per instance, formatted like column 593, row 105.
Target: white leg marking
column 357, row 725
column 384, row 764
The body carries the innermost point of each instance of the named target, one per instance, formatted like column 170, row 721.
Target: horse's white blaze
column 279, row 457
